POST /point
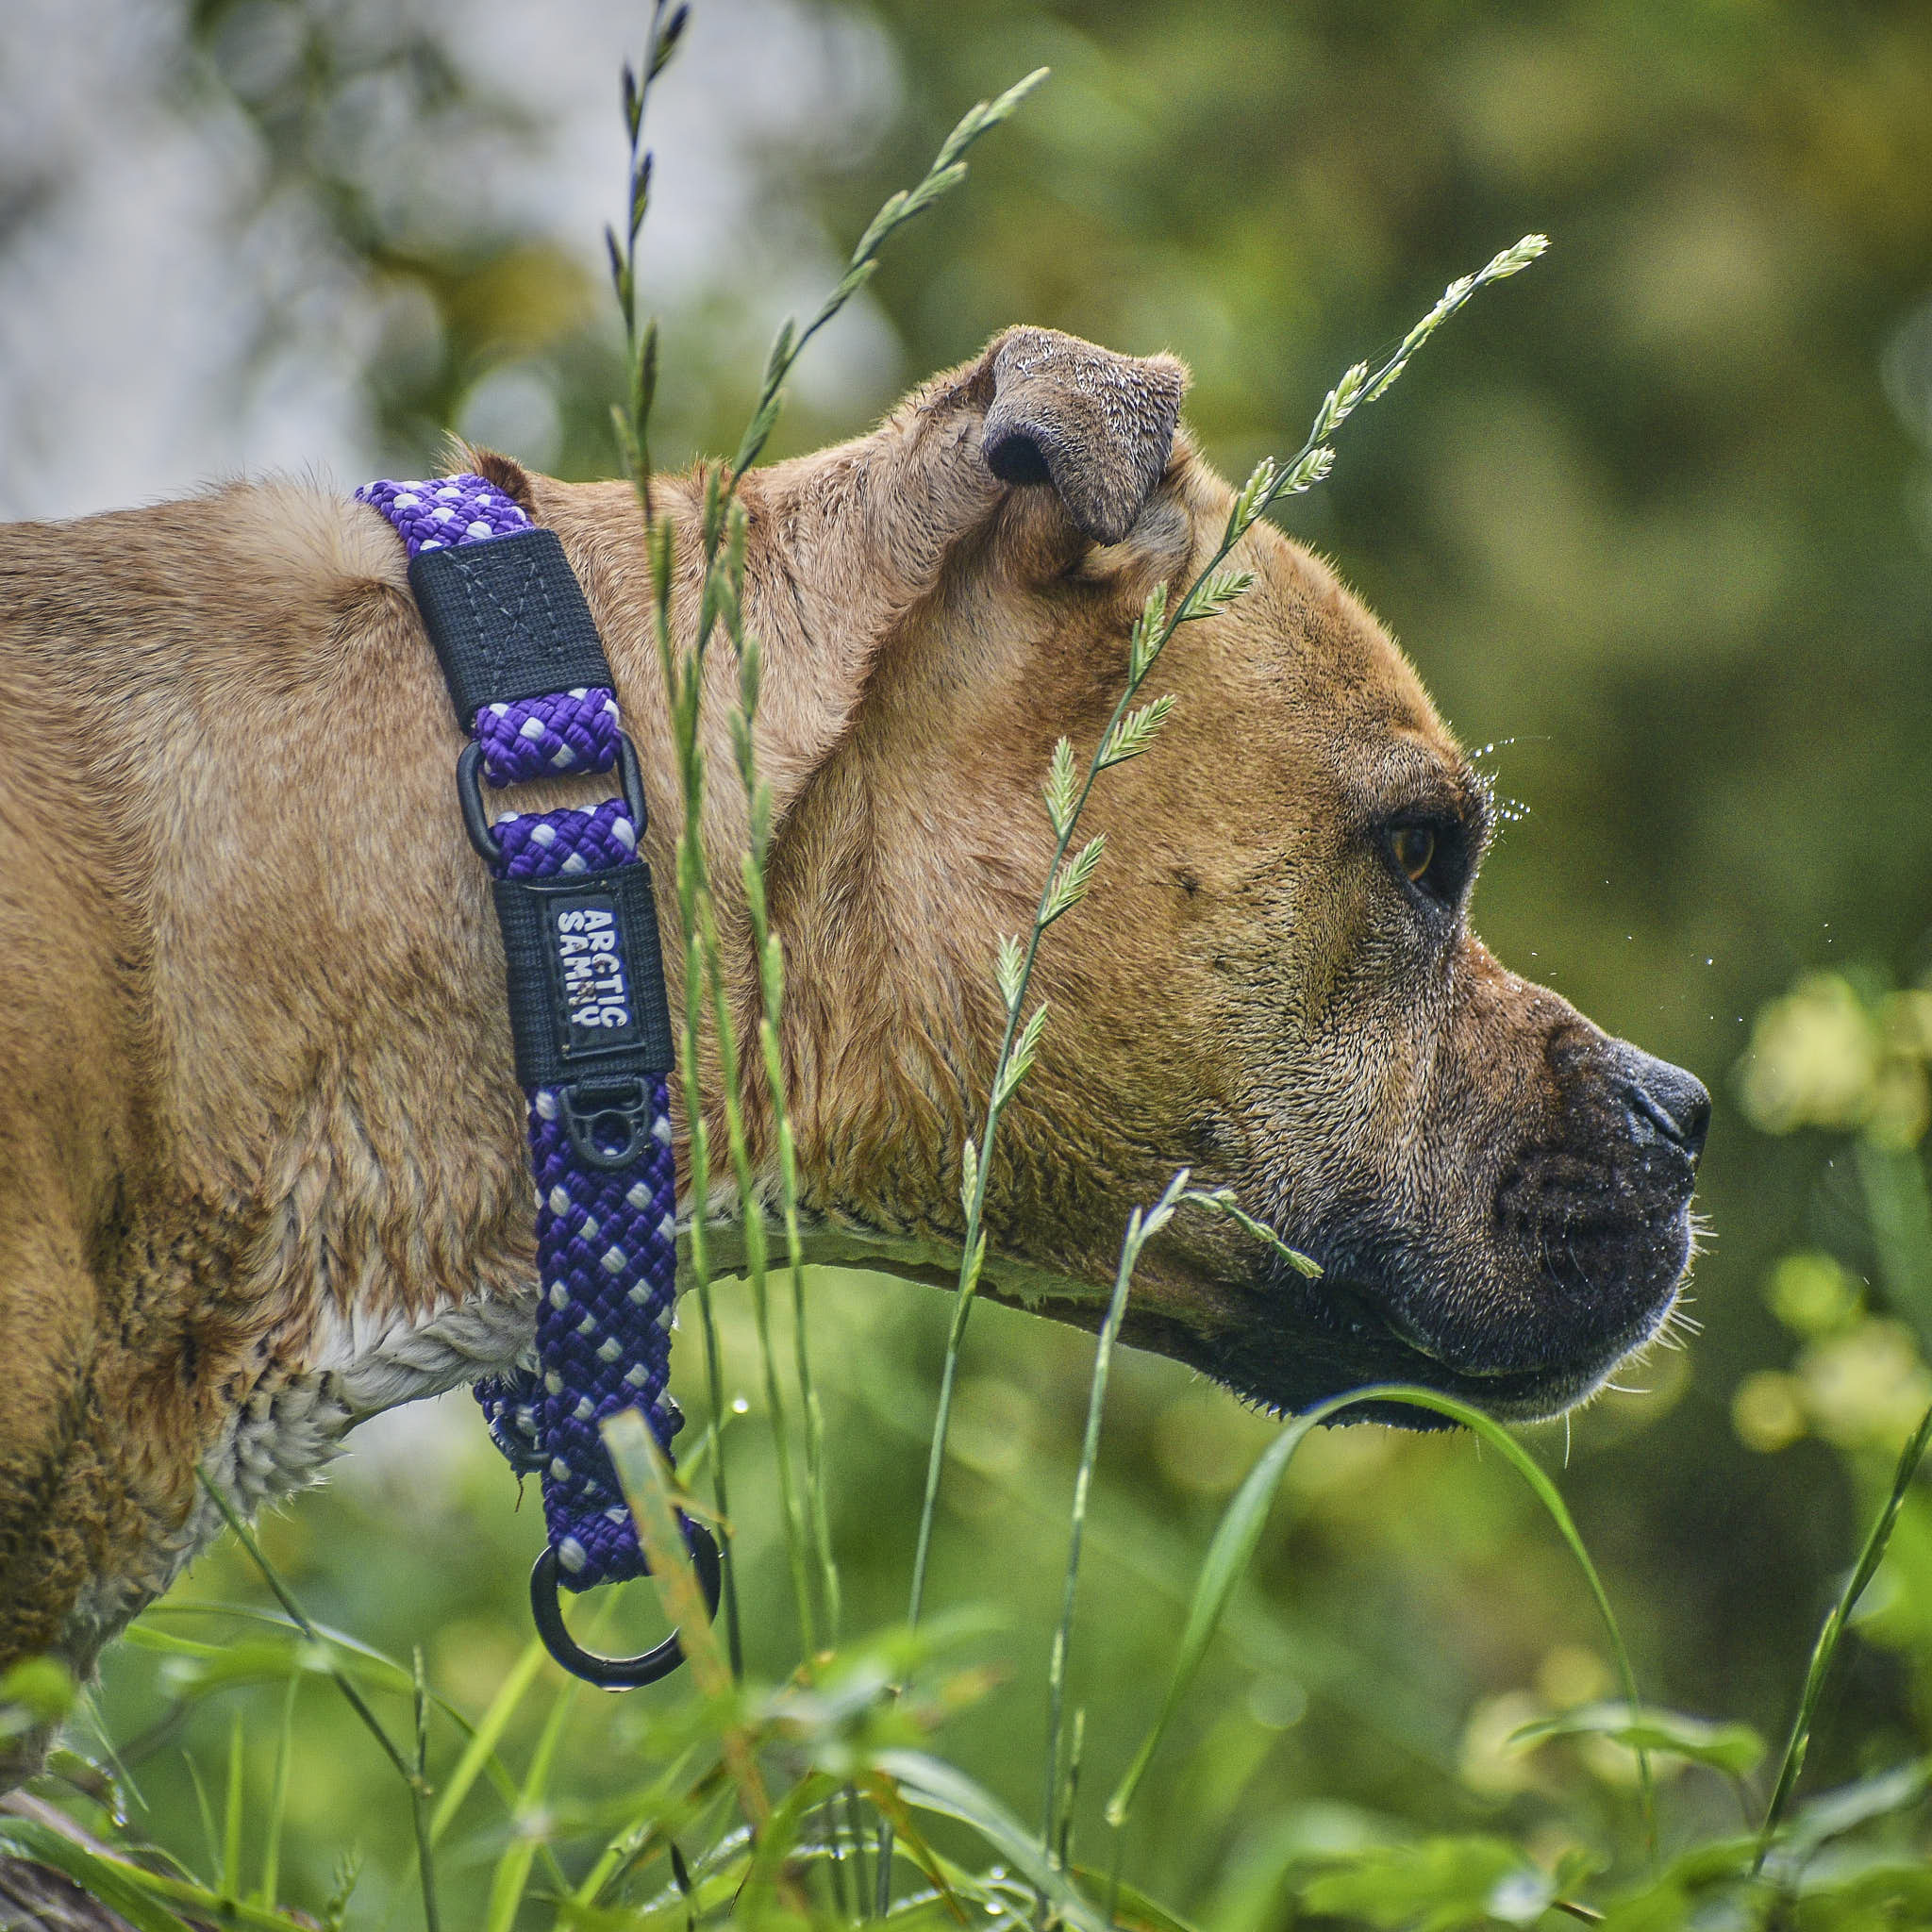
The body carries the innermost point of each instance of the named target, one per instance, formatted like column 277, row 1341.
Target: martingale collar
column 531, row 683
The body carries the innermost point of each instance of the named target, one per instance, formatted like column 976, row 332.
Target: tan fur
column 261, row 1159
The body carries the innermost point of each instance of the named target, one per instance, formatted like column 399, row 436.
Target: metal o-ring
column 620, row 1672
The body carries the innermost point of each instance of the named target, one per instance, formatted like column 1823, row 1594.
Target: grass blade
column 1832, row 1635
column 766, row 1881
column 932, row 1786
column 512, row 1874
column 300, row 1618
column 1732, row 1748
column 278, row 1800
column 147, row 1900
column 483, row 1739
column 1240, row 1531
column 231, row 1814
column 419, row 1797
column 1140, row 1227
column 646, row 1483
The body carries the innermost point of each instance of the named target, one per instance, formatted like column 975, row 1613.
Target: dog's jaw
column 1281, row 1345
column 840, row 1241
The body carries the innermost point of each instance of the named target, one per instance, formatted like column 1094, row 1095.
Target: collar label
column 594, row 978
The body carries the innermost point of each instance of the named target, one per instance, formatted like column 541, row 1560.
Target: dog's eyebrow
column 1412, row 776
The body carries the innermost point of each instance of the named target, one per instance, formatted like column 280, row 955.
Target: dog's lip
column 1518, row 1381
column 1365, row 1342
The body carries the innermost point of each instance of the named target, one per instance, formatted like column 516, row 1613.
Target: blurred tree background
column 1655, row 522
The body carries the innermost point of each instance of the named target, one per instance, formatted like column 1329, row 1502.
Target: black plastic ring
column 476, row 814
column 620, row 1672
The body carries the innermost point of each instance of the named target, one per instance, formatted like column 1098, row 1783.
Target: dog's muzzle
column 1524, row 1302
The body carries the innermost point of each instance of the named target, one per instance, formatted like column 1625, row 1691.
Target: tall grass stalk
column 722, row 542
column 232, row 1810
column 410, row 1772
column 278, row 1798
column 691, row 864
column 631, row 420
column 725, row 1033
column 1129, row 731
column 770, row 961
column 1799, row 1743
column 420, row 1790
column 1141, row 1228
column 1222, row 1201
column 683, row 686
column 1127, row 734
column 632, row 417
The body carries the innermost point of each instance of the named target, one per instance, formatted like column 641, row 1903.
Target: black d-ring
column 620, row 1672
column 476, row 814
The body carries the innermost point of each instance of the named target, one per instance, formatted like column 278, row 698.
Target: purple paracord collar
column 607, row 1241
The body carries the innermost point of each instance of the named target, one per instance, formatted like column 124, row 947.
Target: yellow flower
column 1491, row 1765
column 1768, row 1410
column 1867, row 1386
column 1812, row 1293
column 1901, row 1103
column 1813, row 1060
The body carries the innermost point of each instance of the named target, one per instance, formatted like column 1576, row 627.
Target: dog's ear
column 1096, row 426
column 866, row 529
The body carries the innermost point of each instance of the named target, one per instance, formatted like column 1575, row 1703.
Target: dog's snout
column 1668, row 1099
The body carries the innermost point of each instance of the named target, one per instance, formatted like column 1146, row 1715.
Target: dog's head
column 1273, row 980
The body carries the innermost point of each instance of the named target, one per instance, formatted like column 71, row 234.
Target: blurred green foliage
column 1656, row 524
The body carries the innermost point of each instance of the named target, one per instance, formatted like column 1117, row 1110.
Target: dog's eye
column 1433, row 856
column 1415, row 850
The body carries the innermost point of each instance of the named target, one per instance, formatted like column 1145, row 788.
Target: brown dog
column 260, row 1157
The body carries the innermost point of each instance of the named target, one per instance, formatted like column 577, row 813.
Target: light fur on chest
column 292, row 1424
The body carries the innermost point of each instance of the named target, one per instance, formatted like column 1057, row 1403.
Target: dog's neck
column 819, row 643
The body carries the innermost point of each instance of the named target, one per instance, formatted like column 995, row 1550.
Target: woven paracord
column 562, row 844
column 606, row 1243
column 572, row 731
column 452, row 510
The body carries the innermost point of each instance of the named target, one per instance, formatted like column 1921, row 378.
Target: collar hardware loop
column 619, row 1672
column 587, row 1112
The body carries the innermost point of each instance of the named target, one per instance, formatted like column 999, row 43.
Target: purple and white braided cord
column 607, row 1241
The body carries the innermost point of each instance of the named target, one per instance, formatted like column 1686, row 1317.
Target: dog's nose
column 1674, row 1102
